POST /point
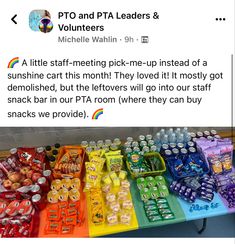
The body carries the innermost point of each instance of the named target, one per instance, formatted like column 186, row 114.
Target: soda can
column 153, row 148
column 113, row 147
column 108, row 142
column 135, row 144
column 35, row 190
column 217, row 137
column 89, row 149
column 167, row 153
column 145, row 149
column 150, row 143
column 128, row 150
column 13, row 151
column 100, row 143
column 84, row 144
column 192, row 150
column 38, row 201
column 92, row 144
column 211, row 138
column 96, row 148
column 143, row 144
column 40, row 149
column 180, row 145
column 183, row 151
column 136, row 149
column 172, row 145
column 199, row 134
column 127, row 144
column 141, row 138
column 190, row 144
column 149, row 137
column 175, row 151
column 213, row 132
column 194, row 139
column 106, row 148
column 48, row 175
column 117, row 141
column 165, row 146
column 206, row 133
column 43, row 183
column 129, row 139
column 193, row 135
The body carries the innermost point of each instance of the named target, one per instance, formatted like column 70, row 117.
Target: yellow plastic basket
column 151, row 173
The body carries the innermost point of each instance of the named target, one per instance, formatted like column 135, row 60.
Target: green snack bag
column 162, row 205
column 154, row 192
column 154, row 218
column 150, row 208
column 150, row 202
column 145, row 194
column 160, row 180
column 163, row 191
column 161, row 200
column 168, row 216
column 152, row 213
column 150, row 181
column 165, row 211
column 141, row 183
column 135, row 159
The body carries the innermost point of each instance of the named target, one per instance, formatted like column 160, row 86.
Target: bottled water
column 172, row 138
column 180, row 138
column 165, row 139
column 157, row 138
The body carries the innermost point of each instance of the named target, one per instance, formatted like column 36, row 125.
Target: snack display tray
column 152, row 173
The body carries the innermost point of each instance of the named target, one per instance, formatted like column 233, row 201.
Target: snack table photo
column 104, row 187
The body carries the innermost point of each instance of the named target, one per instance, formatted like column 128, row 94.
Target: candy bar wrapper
column 155, row 218
column 212, row 156
column 224, row 141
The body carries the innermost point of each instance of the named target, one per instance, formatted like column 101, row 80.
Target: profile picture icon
column 40, row 20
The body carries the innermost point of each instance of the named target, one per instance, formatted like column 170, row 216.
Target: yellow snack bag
column 114, row 163
column 75, row 183
column 98, row 153
column 98, row 161
column 93, row 180
column 63, row 194
column 106, row 179
column 91, row 167
column 113, row 153
column 65, row 183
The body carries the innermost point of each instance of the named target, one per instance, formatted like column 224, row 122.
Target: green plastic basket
column 151, row 173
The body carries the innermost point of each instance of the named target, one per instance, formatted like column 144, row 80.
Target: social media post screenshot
column 161, row 63
column 117, row 119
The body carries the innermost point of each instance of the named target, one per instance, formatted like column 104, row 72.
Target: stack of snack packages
column 153, row 192
column 64, row 210
column 23, row 182
column 110, row 199
column 218, row 153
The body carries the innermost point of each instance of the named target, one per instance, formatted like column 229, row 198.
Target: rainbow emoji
column 97, row 113
column 12, row 63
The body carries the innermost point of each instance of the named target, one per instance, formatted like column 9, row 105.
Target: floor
column 189, row 229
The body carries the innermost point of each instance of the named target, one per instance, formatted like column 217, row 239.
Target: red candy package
column 25, row 207
column 12, row 208
column 33, row 157
column 26, row 155
column 3, row 206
